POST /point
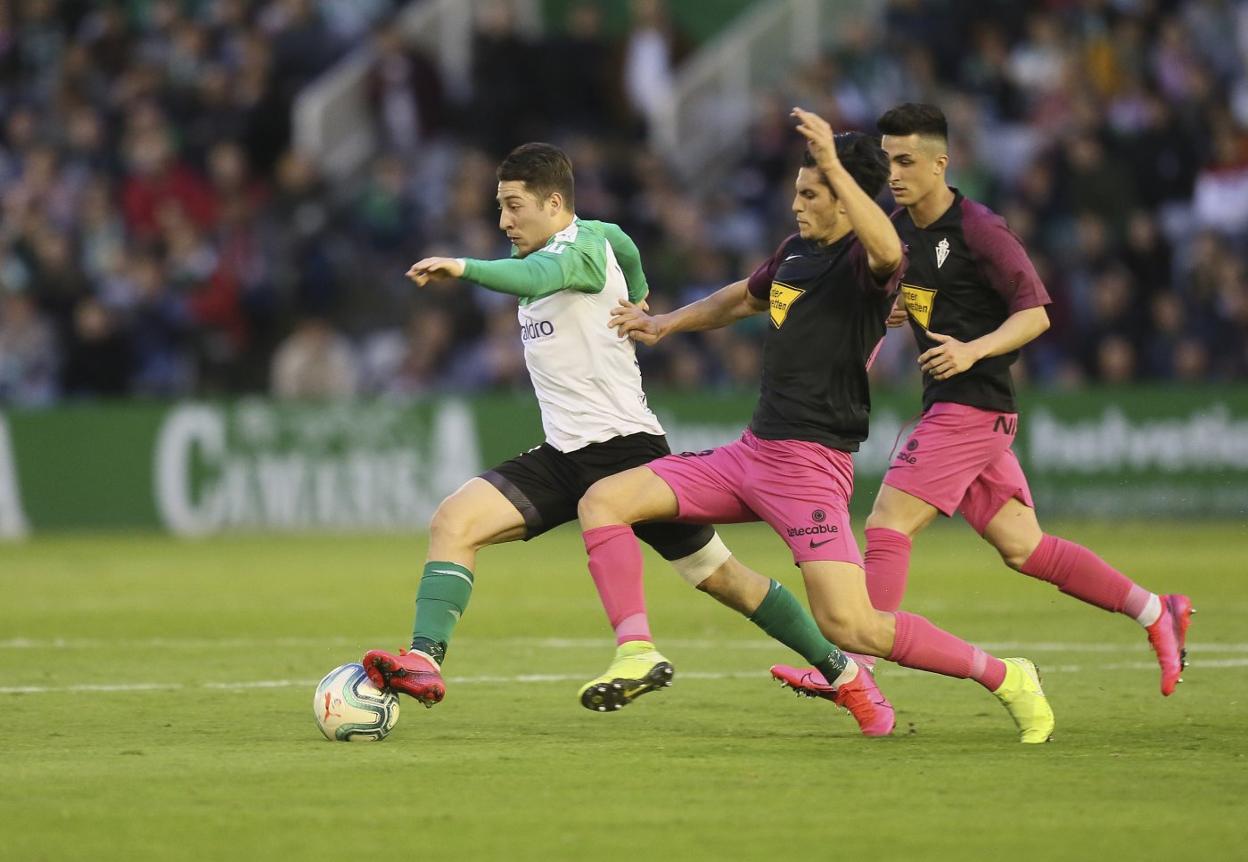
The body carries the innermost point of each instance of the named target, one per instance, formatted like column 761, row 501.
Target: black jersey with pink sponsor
column 827, row 318
column 968, row 272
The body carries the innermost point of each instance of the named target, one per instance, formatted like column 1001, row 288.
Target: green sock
column 782, row 616
column 440, row 602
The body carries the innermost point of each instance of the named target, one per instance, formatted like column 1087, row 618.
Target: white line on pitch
column 1202, row 665
column 759, row 643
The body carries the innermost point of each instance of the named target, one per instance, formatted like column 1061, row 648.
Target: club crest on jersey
column 942, row 252
column 919, row 301
column 782, row 298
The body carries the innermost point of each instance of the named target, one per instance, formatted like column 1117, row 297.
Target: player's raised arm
column 871, row 224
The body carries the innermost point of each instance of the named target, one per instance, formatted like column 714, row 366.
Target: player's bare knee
column 451, row 526
column 887, row 516
column 1014, row 549
column 1015, row 554
column 879, row 518
column 598, row 507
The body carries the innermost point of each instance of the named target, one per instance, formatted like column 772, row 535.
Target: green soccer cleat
column 1020, row 693
column 638, row 668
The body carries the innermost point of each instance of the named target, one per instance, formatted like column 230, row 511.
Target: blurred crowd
column 159, row 237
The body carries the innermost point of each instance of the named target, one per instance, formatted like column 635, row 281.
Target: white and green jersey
column 585, row 376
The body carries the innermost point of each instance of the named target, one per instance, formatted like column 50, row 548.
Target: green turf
column 721, row 766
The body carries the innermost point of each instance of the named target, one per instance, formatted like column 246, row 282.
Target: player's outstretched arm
column 871, row 224
column 952, row 357
column 430, row 269
column 723, row 307
column 534, row 276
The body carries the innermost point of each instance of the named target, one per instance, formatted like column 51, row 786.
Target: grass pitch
column 156, row 701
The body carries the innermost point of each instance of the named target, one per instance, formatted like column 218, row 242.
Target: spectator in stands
column 28, row 354
column 154, row 215
column 314, row 362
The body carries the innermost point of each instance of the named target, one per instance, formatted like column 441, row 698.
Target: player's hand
column 898, row 316
column 947, row 358
column 629, row 319
column 818, row 134
column 433, row 268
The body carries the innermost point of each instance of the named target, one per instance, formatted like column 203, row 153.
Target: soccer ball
column 349, row 708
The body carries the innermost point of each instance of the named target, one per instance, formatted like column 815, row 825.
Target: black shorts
column 545, row 485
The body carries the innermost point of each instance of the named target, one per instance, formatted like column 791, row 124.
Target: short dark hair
column 914, row 118
column 862, row 157
column 543, row 168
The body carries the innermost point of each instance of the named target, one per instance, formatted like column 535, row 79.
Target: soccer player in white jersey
column 569, row 274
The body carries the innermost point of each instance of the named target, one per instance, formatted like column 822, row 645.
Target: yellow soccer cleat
column 1022, row 695
column 638, row 668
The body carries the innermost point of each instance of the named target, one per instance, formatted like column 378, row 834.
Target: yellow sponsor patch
column 919, row 301
column 782, row 298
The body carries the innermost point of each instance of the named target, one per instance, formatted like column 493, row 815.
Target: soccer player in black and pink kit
column 973, row 299
column 828, row 291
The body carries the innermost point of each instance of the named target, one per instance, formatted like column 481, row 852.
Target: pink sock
column 1078, row 572
column 888, row 561
column 920, row 645
column 615, row 565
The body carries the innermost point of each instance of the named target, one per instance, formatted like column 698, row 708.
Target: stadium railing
column 711, row 105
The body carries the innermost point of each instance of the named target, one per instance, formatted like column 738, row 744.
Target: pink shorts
column 958, row 459
column 801, row 489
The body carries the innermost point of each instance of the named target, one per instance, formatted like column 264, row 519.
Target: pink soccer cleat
column 1168, row 637
column 861, row 697
column 412, row 673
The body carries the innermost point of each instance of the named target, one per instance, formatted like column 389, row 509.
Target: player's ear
column 556, row 202
column 941, row 162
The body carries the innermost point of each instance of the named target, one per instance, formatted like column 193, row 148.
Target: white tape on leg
column 701, row 564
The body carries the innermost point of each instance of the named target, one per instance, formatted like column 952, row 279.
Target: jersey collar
column 942, row 221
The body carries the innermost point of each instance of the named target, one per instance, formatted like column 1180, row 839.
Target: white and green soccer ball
column 349, row 708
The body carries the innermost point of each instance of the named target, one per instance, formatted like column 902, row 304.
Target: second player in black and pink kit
column 973, row 298
column 827, row 292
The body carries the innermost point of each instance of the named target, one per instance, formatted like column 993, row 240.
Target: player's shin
column 615, row 565
column 442, row 599
column 1078, row 572
column 887, row 563
column 920, row 645
column 783, row 618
